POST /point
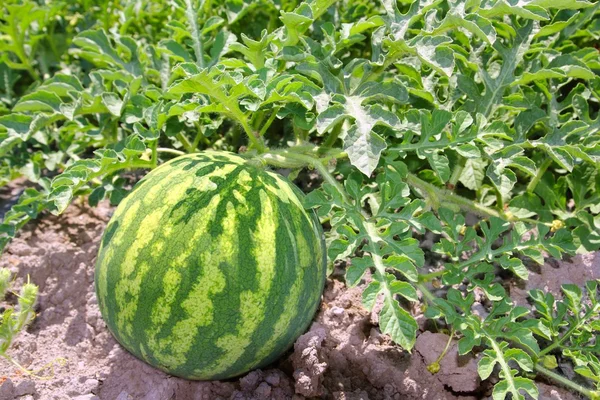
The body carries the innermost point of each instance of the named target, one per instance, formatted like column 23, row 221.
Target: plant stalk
column 431, row 275
column 170, row 151
column 426, row 293
column 199, row 137
column 255, row 140
column 442, row 195
column 305, row 160
column 266, row 126
column 434, row 367
column 566, row 382
column 538, row 176
column 457, row 172
column 154, row 158
column 185, row 142
column 331, row 139
column 503, row 365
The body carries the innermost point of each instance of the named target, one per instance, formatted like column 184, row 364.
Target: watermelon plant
column 472, row 122
column 14, row 318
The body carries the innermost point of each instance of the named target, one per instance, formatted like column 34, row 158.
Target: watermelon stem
column 170, row 151
column 185, row 142
column 286, row 158
column 266, row 126
column 437, row 196
column 567, row 383
column 255, row 139
column 331, row 139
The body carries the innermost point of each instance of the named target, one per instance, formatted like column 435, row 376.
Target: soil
column 342, row 356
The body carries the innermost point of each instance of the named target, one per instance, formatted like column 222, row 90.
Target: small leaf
column 404, row 289
column 396, row 322
column 473, row 174
column 356, row 270
column 468, row 151
column 364, row 149
column 39, row 101
column 61, row 198
column 369, row 295
column 113, row 102
column 549, row 362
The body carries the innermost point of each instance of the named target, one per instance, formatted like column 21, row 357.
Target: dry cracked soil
column 342, row 356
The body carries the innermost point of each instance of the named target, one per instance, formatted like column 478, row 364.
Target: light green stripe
column 200, row 237
column 127, row 290
column 245, row 181
column 252, row 303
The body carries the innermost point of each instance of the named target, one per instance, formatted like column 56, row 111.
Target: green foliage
column 571, row 325
column 415, row 113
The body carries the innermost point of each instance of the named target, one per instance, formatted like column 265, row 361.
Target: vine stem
column 199, row 137
column 437, row 196
column 154, row 157
column 434, row 367
column 19, row 366
column 59, row 360
column 504, row 366
column 124, row 165
column 254, row 140
column 185, row 142
column 425, row 292
column 170, row 151
column 432, row 275
column 333, row 136
column 266, row 126
column 538, row 176
column 566, row 382
column 457, row 172
column 283, row 158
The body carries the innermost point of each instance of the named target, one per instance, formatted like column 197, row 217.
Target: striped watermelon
column 210, row 267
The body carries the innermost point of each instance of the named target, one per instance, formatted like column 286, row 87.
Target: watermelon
column 210, row 267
